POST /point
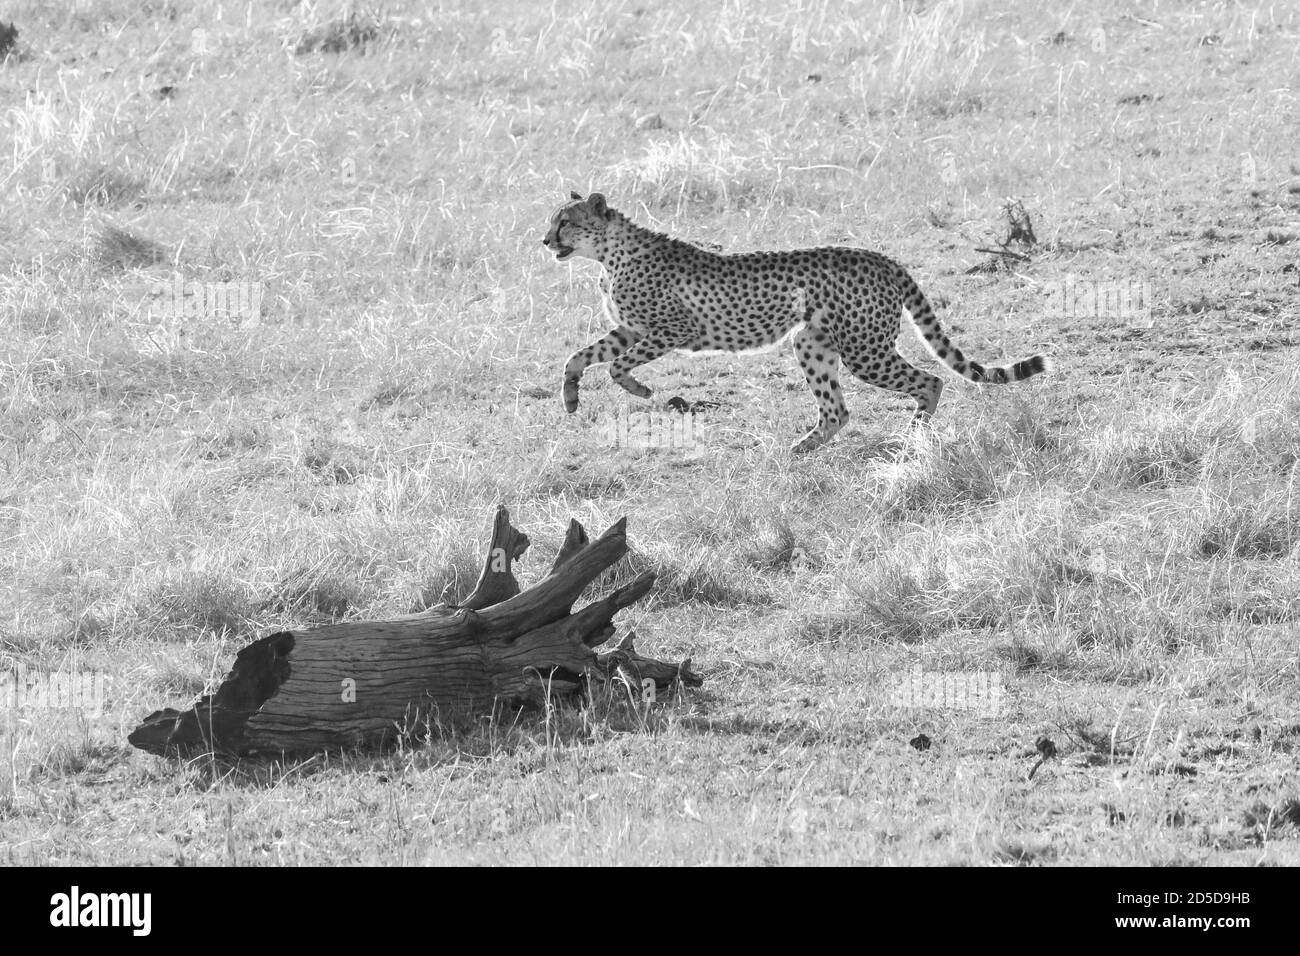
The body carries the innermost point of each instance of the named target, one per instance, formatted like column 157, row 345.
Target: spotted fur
column 838, row 304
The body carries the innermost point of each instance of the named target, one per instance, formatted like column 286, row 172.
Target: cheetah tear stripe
column 836, row 305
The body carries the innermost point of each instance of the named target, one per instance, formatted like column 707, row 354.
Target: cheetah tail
column 918, row 306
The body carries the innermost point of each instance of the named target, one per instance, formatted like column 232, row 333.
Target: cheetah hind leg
column 820, row 362
column 896, row 374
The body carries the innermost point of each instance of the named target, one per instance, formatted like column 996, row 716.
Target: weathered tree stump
column 366, row 682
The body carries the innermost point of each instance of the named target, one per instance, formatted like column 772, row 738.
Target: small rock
column 8, row 38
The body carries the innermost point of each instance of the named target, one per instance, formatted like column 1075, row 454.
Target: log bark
column 364, row 683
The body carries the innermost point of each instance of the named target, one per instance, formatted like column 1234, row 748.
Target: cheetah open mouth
column 562, row 252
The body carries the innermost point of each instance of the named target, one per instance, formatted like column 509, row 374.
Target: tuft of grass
column 387, row 394
column 1022, row 851
column 921, row 586
column 323, row 593
column 451, row 578
column 117, row 249
column 354, row 31
column 207, row 600
column 103, row 186
column 1249, row 523
column 1183, row 438
column 954, row 473
column 1157, row 457
column 1264, row 821
column 335, row 461
column 1257, row 595
column 694, row 575
column 231, row 441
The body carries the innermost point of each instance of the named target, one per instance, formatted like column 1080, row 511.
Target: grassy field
column 1113, row 545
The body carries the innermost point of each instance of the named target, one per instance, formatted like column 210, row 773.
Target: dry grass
column 1115, row 541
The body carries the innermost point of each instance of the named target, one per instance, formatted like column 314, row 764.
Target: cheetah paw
column 807, row 443
column 635, row 387
column 571, row 395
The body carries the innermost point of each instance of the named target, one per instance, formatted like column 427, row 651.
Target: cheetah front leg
column 602, row 350
column 648, row 349
column 820, row 361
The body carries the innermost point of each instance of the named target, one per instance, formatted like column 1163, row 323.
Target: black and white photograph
column 619, row 433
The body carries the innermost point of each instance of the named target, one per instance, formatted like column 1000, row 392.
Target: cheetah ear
column 574, row 195
column 596, row 203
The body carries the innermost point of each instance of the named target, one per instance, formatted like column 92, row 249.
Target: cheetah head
column 578, row 227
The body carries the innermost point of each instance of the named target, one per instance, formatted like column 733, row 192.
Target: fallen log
column 363, row 683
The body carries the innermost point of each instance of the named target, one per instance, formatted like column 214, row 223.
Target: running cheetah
column 838, row 303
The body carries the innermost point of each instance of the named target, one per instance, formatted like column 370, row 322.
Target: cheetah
column 836, row 304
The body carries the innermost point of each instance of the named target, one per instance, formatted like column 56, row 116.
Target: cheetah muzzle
column 838, row 304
